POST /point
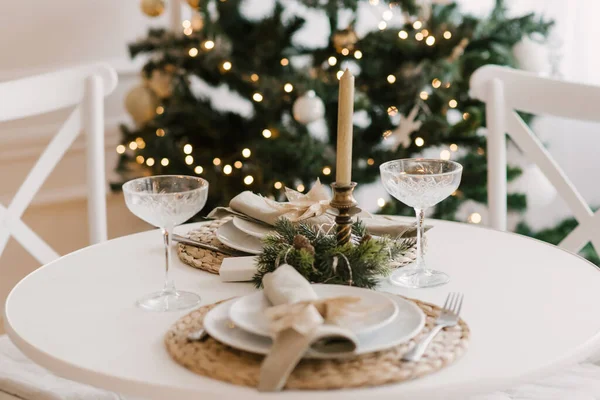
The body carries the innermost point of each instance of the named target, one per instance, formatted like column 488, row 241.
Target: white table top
column 532, row 308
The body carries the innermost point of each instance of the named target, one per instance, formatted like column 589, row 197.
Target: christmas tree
column 412, row 97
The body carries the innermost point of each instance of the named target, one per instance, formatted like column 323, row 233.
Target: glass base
column 418, row 278
column 168, row 301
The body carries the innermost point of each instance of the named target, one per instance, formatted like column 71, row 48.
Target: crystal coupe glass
column 166, row 201
column 420, row 183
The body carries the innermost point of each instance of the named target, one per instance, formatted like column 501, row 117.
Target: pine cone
column 366, row 238
column 301, row 242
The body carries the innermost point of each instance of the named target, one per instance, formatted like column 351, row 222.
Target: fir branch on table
column 316, row 255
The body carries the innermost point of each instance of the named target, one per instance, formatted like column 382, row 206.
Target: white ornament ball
column 531, row 55
column 308, row 108
column 141, row 103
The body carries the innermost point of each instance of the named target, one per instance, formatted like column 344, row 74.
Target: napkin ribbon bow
column 303, row 206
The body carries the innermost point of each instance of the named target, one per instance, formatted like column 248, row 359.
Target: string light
column 267, row 133
column 419, row 142
column 345, row 51
column 392, row 110
column 238, row 164
column 425, row 32
column 387, row 15
column 248, row 180
column 386, row 134
column 447, row 85
column 164, row 162
column 254, row 78
column 430, row 41
column 187, row 149
column 160, row 132
column 216, row 161
column 186, row 23
column 227, row 169
column 417, row 24
column 226, row 65
column 424, row 95
column 332, row 61
column 208, row 45
column 288, row 87
column 447, row 35
column 150, row 161
column 381, row 202
column 382, row 25
column 453, row 103
column 358, row 54
column 300, row 188
column 140, row 143
column 370, row 161
column 480, row 151
column 188, row 31
column 373, row 2
column 139, row 159
column 436, row 83
column 121, row 149
column 133, row 145
column 245, row 153
column 339, row 74
column 193, row 52
column 419, row 36
column 466, row 115
column 198, row 170
column 403, row 34
column 326, row 171
column 391, row 78
column 160, row 110
column 454, row 147
column 445, row 155
column 189, row 160
column 285, row 61
column 278, row 185
column 474, row 218
column 257, row 97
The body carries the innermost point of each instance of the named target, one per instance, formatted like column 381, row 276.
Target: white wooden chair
column 83, row 88
column 506, row 91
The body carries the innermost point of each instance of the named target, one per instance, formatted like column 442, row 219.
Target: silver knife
column 195, row 243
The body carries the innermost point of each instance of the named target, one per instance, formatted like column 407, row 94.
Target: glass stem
column 420, row 232
column 169, row 284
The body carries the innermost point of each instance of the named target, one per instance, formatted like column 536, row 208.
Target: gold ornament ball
column 161, row 83
column 345, row 39
column 141, row 103
column 153, row 8
column 194, row 3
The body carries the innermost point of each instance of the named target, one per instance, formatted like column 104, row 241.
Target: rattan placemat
column 218, row 361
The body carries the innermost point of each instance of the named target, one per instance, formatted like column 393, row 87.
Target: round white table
column 532, row 309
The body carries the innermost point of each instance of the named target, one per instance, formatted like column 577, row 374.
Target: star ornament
column 401, row 135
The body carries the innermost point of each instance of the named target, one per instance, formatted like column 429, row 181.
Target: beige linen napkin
column 298, row 320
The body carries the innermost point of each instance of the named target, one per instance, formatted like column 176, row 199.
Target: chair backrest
column 85, row 88
column 506, row 91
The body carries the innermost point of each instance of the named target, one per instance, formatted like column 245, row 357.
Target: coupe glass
column 165, row 202
column 420, row 183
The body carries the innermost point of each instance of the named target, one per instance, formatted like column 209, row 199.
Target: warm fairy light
column 453, row 103
column 257, row 97
column 425, row 32
column 480, row 151
column 288, row 87
column 188, row 31
column 474, row 218
column 284, row 61
column 332, row 61
column 419, row 142
column 254, row 78
column 187, row 149
column 419, row 36
column 246, row 153
column 454, row 147
column 345, row 51
column 208, row 44
column 436, row 83
column 358, row 54
column 226, row 65
column 164, row 162
column 133, row 145
column 326, row 171
column 445, row 155
column 417, row 24
column 248, row 180
column 430, row 41
column 189, row 160
column 447, row 35
column 186, row 23
column 382, row 25
column 373, row 2
column 447, row 85
column 150, row 161
column 387, row 15
column 403, row 34
column 227, row 169
column 424, row 95
column 466, row 115
column 381, row 202
column 140, row 142
column 391, row 78
column 160, row 132
column 238, row 164
column 370, row 161
column 121, row 149
column 278, row 185
column 193, row 52
column 139, row 159
column 339, row 74
column 386, row 134
column 300, row 188
column 198, row 170
column 216, row 161
column 160, row 110
column 267, row 133
column 392, row 110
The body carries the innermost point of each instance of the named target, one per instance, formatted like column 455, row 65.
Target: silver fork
column 448, row 317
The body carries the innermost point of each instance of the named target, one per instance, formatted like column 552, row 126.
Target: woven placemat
column 218, row 361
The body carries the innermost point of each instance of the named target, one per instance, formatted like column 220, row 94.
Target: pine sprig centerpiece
column 317, row 256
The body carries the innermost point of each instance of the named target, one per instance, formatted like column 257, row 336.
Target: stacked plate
column 391, row 320
column 243, row 235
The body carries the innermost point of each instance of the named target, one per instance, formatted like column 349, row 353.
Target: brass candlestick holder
column 345, row 207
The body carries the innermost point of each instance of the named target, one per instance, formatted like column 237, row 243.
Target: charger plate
column 215, row 360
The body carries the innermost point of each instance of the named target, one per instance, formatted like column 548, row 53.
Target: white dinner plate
column 231, row 236
column 252, row 228
column 248, row 312
column 407, row 323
